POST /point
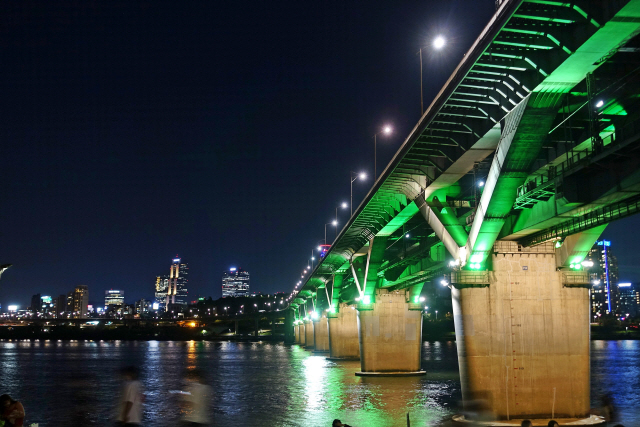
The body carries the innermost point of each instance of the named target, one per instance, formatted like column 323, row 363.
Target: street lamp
column 335, row 224
column 436, row 314
column 438, row 43
column 343, row 205
column 355, row 176
column 385, row 130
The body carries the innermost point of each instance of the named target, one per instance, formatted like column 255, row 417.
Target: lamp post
column 438, row 43
column 334, row 223
column 386, row 130
column 355, row 176
column 343, row 205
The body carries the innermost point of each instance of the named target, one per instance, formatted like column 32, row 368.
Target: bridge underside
column 505, row 183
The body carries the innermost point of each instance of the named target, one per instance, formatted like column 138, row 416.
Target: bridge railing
column 573, row 160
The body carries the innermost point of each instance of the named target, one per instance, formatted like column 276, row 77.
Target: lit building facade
column 80, row 298
column 629, row 304
column 113, row 298
column 604, row 291
column 235, row 283
column 177, row 291
column 143, row 307
column 162, row 283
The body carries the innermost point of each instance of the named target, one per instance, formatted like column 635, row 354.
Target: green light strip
column 544, row 18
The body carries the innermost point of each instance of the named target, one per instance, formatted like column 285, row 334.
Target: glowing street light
column 438, row 44
column 343, row 205
column 360, row 176
column 387, row 131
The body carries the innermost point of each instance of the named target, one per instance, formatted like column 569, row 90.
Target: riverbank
column 431, row 332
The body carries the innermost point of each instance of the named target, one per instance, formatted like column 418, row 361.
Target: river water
column 73, row 383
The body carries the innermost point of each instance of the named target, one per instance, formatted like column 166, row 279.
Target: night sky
column 222, row 131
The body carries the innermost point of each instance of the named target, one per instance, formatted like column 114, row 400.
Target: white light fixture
column 600, row 103
column 439, row 42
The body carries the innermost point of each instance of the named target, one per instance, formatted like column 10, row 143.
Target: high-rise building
column 113, row 298
column 629, row 304
column 80, row 301
column 177, row 283
column 604, row 292
column 36, row 304
column 235, row 283
column 60, row 306
column 162, row 283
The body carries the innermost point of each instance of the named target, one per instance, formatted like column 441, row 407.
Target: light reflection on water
column 75, row 383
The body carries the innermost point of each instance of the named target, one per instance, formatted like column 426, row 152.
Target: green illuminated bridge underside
column 544, row 112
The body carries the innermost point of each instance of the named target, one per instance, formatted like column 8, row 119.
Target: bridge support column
column 390, row 335
column 343, row 334
column 308, row 334
column 289, row 335
column 321, row 335
column 296, row 329
column 523, row 340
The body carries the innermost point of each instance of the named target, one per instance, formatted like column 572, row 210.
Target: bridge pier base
column 308, row 334
column 289, row 333
column 390, row 336
column 523, row 340
column 296, row 330
column 343, row 334
column 321, row 335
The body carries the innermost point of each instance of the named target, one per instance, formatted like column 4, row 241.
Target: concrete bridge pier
column 289, row 333
column 343, row 334
column 523, row 338
column 308, row 334
column 321, row 335
column 296, row 330
column 390, row 335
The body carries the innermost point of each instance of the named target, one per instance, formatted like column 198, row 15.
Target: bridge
column 525, row 155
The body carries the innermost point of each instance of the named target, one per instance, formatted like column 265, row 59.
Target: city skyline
column 174, row 139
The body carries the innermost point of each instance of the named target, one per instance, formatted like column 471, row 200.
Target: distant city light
column 232, row 269
column 176, row 260
column 624, row 285
column 13, row 308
